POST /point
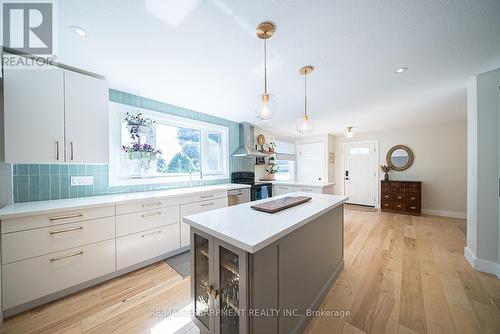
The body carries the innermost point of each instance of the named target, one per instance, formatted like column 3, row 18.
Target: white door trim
column 376, row 179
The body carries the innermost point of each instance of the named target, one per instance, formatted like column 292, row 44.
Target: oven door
column 261, row 192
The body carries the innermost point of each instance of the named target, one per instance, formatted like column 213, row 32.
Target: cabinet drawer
column 27, row 280
column 63, row 217
column 308, row 189
column 204, row 197
column 149, row 204
column 146, row 220
column 399, row 206
column 386, row 197
column 30, row 243
column 399, row 197
column 413, row 208
column 385, row 205
column 194, row 208
column 139, row 247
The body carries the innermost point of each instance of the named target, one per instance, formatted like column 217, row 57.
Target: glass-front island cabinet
column 218, row 286
column 255, row 273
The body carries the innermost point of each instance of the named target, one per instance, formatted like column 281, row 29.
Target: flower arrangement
column 145, row 152
column 138, row 124
column 386, row 170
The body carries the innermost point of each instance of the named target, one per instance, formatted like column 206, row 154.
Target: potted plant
column 143, row 154
column 138, row 124
column 386, row 170
column 271, row 171
column 272, row 147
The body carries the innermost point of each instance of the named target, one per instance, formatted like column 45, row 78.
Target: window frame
column 117, row 113
column 291, row 173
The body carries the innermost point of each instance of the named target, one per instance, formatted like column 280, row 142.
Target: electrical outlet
column 82, row 180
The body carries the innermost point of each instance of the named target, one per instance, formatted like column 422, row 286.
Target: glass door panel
column 201, row 280
column 229, row 285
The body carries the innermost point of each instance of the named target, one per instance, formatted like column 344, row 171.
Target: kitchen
column 207, row 167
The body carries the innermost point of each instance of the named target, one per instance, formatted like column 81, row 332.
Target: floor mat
column 181, row 263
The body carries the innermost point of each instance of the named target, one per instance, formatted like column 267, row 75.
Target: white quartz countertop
column 302, row 184
column 252, row 230
column 43, row 207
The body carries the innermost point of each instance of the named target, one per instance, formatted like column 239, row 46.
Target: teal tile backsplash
column 40, row 182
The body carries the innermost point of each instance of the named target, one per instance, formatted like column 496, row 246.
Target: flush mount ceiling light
column 349, row 132
column 266, row 103
column 79, row 31
column 401, row 70
column 304, row 124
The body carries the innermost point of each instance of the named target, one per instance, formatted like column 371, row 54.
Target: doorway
column 360, row 172
column 311, row 163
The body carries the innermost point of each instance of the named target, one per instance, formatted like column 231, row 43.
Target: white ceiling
column 204, row 55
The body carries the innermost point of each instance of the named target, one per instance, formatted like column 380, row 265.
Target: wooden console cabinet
column 401, row 197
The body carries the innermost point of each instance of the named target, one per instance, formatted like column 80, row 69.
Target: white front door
column 311, row 163
column 360, row 173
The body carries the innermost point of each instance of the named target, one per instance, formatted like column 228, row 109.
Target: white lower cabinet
column 30, row 279
column 30, row 243
column 146, row 220
column 199, row 207
column 281, row 190
column 308, row 189
column 142, row 246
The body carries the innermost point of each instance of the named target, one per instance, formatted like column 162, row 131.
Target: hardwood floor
column 402, row 274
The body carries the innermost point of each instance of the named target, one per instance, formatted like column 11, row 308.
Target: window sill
column 136, row 181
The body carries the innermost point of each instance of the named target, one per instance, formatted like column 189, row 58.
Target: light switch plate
column 82, row 180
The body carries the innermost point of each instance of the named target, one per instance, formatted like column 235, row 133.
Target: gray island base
column 272, row 287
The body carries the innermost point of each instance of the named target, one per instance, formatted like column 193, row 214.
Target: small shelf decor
column 273, row 169
column 386, row 169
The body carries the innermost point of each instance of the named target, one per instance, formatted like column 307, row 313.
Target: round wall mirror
column 399, row 157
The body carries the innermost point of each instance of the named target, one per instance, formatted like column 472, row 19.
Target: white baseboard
column 444, row 213
column 482, row 265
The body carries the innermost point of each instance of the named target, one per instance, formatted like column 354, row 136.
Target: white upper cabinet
column 34, row 115
column 52, row 115
column 87, row 120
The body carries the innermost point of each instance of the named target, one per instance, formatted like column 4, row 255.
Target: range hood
column 246, row 148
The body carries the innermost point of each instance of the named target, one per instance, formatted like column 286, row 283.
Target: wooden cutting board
column 280, row 204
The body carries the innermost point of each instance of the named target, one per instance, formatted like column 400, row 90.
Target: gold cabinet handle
column 413, row 198
column 151, row 214
column 76, row 215
column 145, row 205
column 54, row 259
column 72, row 153
column 413, row 207
column 208, row 204
column 399, row 206
column 66, row 230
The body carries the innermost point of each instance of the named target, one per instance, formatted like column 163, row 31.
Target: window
column 285, row 170
column 186, row 146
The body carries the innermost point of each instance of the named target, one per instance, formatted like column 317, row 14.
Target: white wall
column 5, row 169
column 483, row 230
column 440, row 163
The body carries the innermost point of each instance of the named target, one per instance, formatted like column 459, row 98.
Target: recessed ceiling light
column 401, row 70
column 79, row 31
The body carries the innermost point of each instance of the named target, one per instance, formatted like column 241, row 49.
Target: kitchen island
column 255, row 272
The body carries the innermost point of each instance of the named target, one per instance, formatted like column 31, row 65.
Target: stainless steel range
column 258, row 190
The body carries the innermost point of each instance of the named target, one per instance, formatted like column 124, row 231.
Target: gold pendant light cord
column 265, row 66
column 305, row 95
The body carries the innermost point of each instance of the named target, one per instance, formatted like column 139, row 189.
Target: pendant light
column 304, row 125
column 266, row 103
column 349, row 132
